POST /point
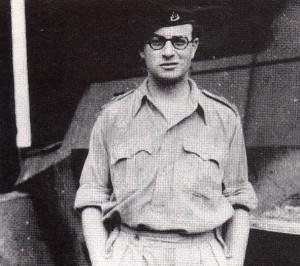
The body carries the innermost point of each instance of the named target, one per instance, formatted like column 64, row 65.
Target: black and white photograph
column 150, row 132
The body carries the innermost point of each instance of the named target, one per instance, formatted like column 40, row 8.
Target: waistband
column 163, row 236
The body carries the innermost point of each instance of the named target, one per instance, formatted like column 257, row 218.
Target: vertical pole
column 20, row 73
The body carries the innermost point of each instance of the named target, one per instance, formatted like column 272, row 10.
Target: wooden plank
column 280, row 219
column 273, row 225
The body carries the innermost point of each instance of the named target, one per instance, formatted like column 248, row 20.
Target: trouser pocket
column 217, row 252
column 118, row 250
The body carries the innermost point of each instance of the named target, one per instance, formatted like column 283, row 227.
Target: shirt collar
column 196, row 96
column 140, row 95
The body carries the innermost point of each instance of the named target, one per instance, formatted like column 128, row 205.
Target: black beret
column 151, row 15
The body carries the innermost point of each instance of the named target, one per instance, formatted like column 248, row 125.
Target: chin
column 169, row 79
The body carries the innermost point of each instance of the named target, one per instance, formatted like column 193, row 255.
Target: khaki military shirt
column 186, row 175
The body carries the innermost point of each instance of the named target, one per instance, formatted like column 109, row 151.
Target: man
column 166, row 169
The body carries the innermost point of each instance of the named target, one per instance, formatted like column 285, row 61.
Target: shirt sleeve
column 238, row 190
column 94, row 181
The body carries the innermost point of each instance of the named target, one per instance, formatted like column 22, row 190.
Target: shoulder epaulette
column 118, row 96
column 221, row 100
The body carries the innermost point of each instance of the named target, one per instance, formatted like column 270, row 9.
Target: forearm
column 95, row 234
column 236, row 236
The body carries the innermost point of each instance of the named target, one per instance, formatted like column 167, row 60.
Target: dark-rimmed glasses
column 159, row 42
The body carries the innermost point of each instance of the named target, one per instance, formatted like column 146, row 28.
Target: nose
column 168, row 50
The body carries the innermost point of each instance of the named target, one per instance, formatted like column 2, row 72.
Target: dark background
column 9, row 163
column 250, row 54
column 71, row 45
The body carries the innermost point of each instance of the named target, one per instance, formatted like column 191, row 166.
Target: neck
column 164, row 90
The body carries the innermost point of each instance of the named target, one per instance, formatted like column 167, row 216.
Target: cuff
column 88, row 195
column 242, row 195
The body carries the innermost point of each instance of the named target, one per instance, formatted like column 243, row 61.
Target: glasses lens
column 157, row 43
column 180, row 42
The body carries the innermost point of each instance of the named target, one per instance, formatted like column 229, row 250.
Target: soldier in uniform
column 166, row 181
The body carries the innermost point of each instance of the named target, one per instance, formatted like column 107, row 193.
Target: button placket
column 163, row 184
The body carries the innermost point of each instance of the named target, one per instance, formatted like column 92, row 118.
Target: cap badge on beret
column 174, row 17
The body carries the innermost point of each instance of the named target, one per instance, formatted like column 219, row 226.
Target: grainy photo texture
column 143, row 132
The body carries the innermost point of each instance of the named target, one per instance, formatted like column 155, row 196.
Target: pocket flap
column 128, row 150
column 206, row 151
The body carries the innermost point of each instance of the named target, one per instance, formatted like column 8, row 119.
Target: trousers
column 132, row 247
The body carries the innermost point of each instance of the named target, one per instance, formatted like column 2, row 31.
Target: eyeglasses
column 159, row 42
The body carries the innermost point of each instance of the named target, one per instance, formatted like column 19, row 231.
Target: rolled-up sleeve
column 238, row 190
column 94, row 181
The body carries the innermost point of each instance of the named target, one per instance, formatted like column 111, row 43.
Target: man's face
column 170, row 64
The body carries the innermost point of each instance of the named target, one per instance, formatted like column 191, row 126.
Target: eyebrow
column 160, row 36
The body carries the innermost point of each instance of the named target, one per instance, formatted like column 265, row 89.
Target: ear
column 195, row 44
column 142, row 54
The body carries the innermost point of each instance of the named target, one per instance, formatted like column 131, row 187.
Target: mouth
column 170, row 65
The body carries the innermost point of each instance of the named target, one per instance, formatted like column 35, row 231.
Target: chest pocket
column 203, row 164
column 206, row 152
column 128, row 163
